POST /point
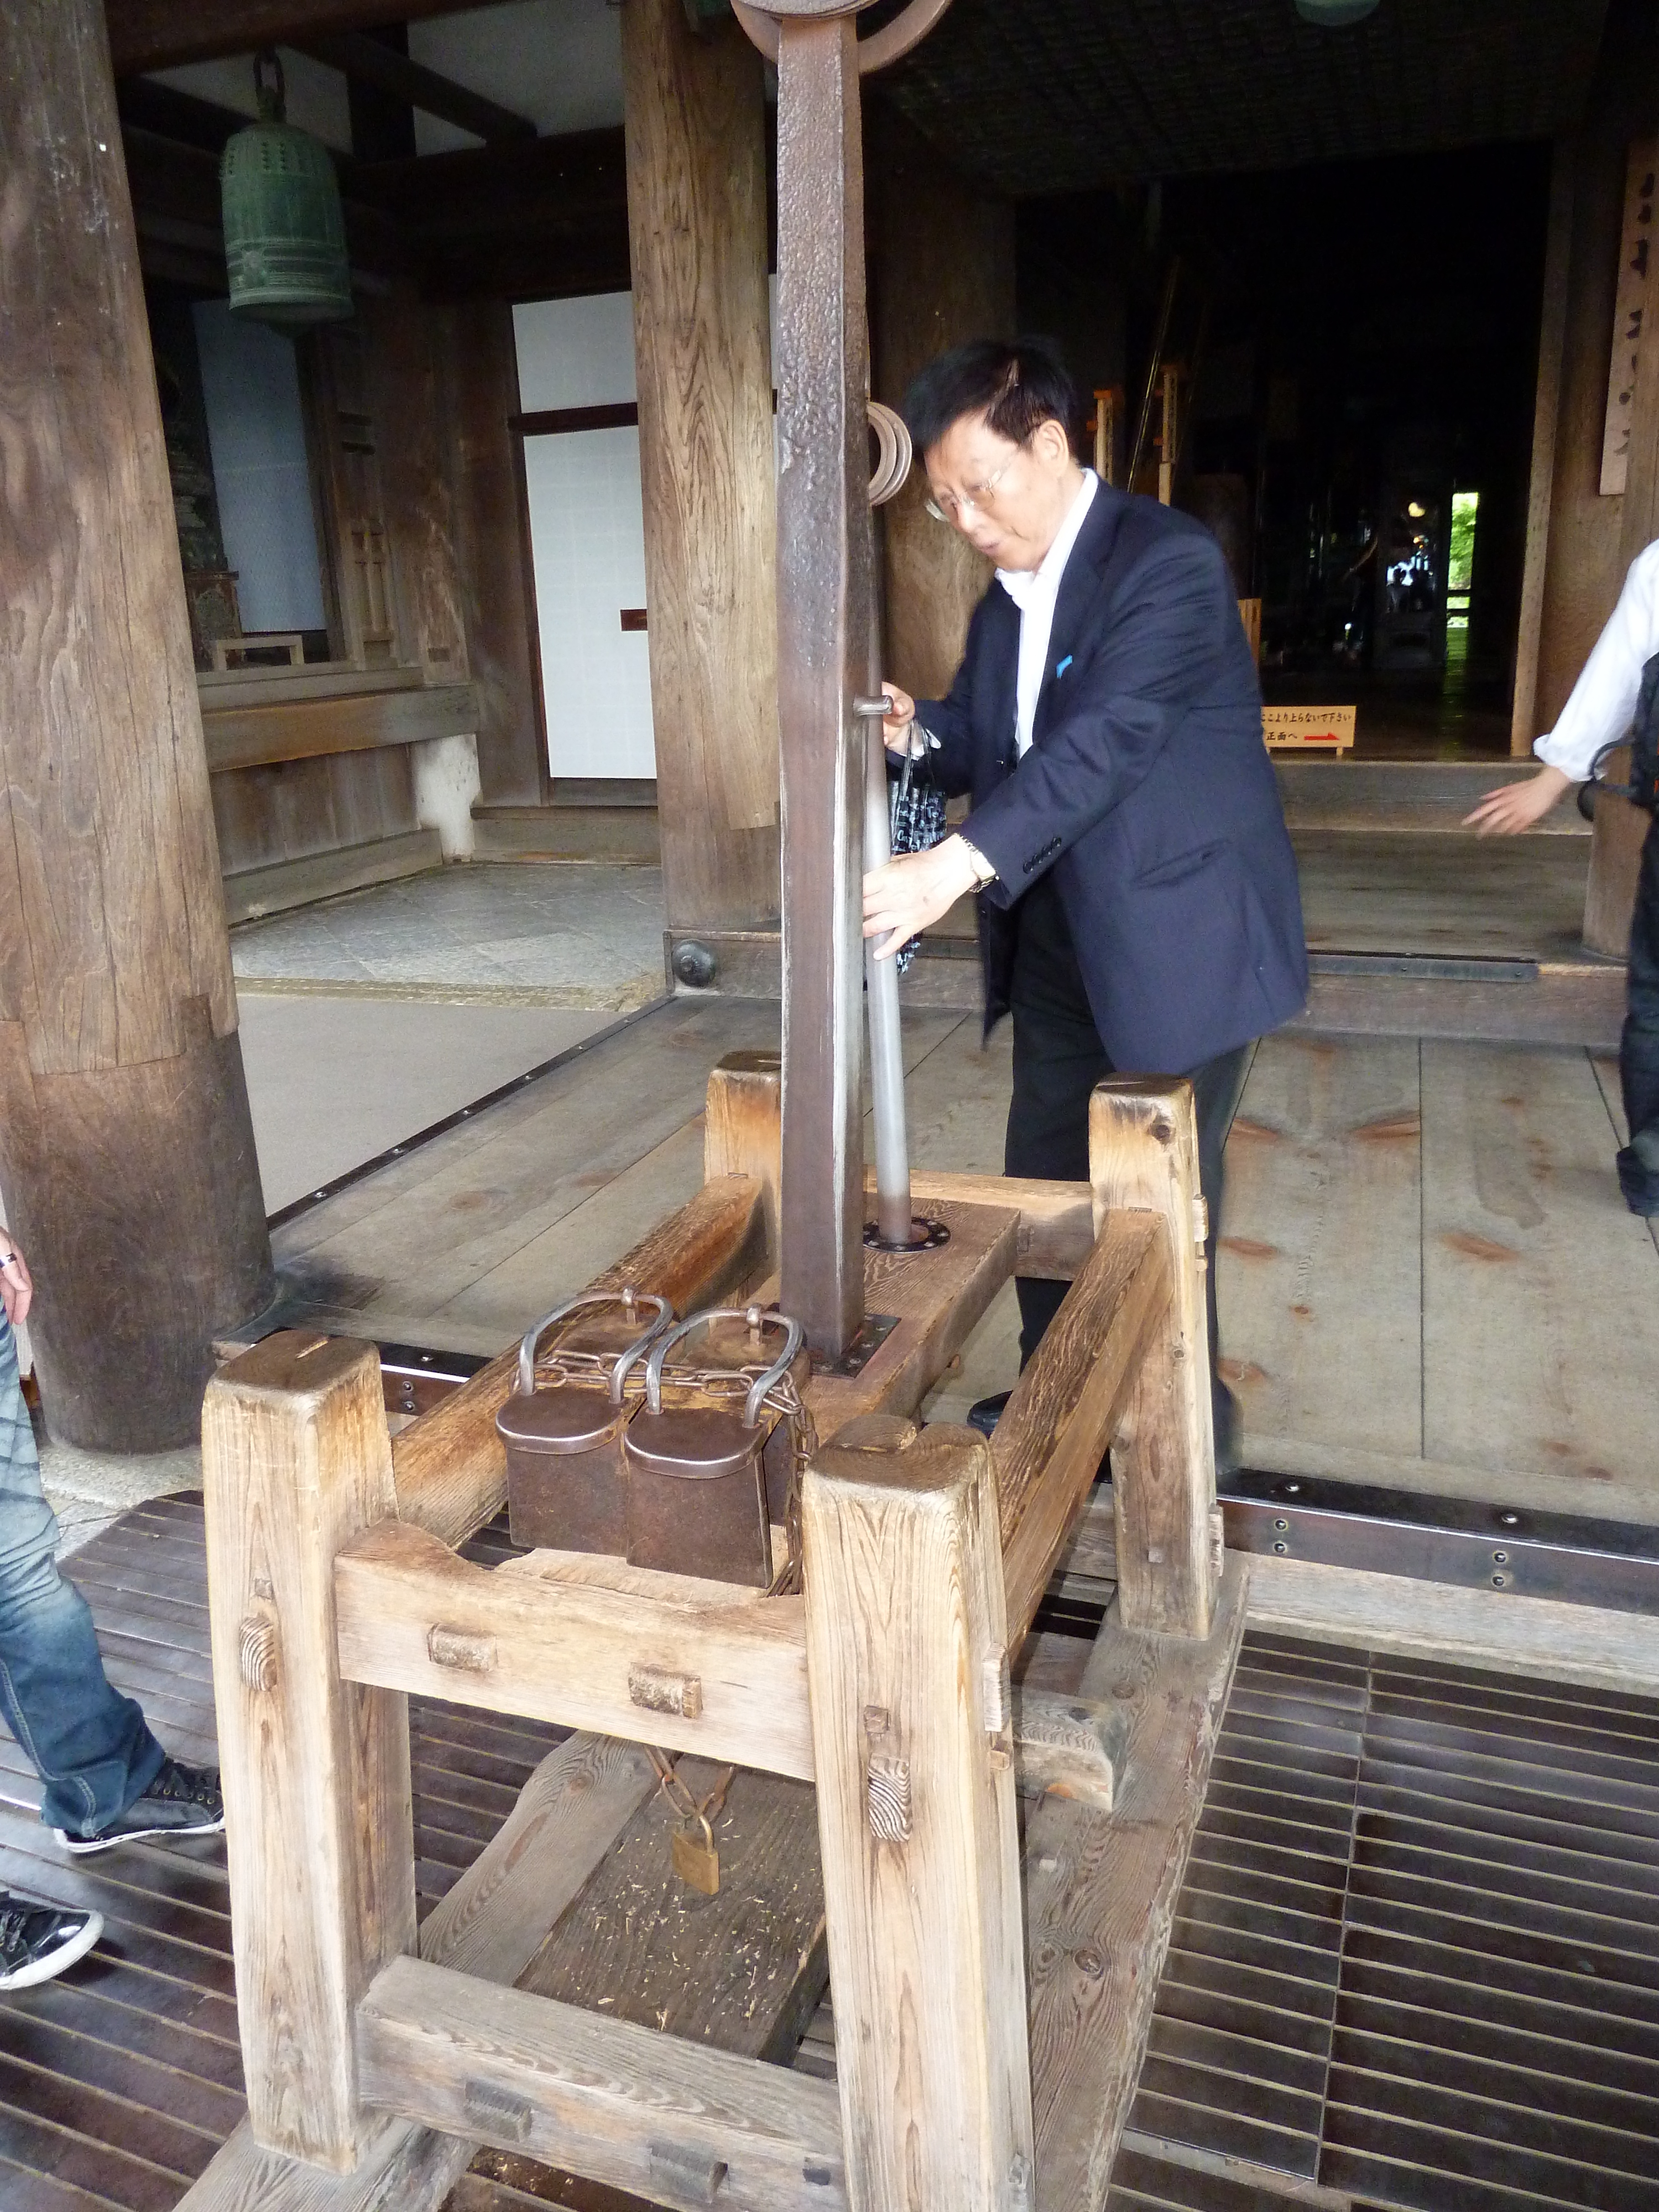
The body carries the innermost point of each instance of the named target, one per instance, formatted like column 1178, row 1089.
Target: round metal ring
column 876, row 52
column 893, row 453
column 926, row 1235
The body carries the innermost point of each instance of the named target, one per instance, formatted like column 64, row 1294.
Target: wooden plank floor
column 1430, row 1279
column 119, row 2080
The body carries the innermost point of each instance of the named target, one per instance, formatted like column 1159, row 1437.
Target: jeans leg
column 1639, row 1047
column 89, row 1744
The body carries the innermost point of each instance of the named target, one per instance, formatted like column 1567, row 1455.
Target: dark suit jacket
column 1147, row 790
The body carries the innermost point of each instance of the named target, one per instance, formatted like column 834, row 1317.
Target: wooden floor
column 1429, row 1277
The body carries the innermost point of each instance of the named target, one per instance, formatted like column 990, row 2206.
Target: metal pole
column 886, row 1044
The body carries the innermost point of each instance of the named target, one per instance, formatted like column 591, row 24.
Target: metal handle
column 868, row 709
column 629, row 1299
column 757, row 1318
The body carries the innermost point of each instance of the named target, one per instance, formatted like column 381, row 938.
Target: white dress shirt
column 1035, row 593
column 1603, row 701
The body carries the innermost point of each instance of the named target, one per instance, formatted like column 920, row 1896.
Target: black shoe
column 182, row 1801
column 37, row 1942
column 985, row 1412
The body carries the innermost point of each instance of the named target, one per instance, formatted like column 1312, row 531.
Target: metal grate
column 1416, row 1960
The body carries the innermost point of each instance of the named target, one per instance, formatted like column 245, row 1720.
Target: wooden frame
column 334, row 1590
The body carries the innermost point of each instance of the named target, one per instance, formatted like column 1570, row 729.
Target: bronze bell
column 566, row 1485
column 697, row 1478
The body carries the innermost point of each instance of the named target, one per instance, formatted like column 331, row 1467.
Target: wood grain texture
column 941, row 272
column 1056, row 1219
column 491, row 1924
column 320, row 1842
column 1064, row 1410
column 1545, row 422
column 565, row 1647
column 608, row 2098
column 907, row 1638
column 1621, row 830
column 451, row 1465
column 1069, row 1746
column 695, row 122
column 825, row 604
column 1143, row 1152
column 743, row 1126
column 1100, row 1894
column 937, row 1296
column 252, row 737
column 114, row 962
column 742, row 1970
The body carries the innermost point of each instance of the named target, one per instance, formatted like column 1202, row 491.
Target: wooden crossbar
column 676, row 2123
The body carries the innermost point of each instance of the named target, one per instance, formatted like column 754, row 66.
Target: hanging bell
column 565, row 1483
column 285, row 241
column 697, row 1476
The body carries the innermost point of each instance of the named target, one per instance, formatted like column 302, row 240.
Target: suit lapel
column 1078, row 587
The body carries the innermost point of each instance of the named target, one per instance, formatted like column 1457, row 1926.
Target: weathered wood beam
column 253, row 736
column 491, row 1923
column 683, row 2125
column 126, row 1147
column 1065, row 1407
column 154, row 34
column 1100, row 1894
column 696, row 128
column 1143, row 1152
column 399, row 78
column 1069, row 1746
column 906, row 1641
column 295, row 1460
column 704, row 1667
column 825, row 590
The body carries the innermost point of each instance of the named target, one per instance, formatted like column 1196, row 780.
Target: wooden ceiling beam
column 394, row 74
column 153, row 35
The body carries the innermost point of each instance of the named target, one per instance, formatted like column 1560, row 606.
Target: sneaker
column 182, row 1801
column 37, row 1942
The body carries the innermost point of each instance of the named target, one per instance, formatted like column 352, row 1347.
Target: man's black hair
column 1016, row 387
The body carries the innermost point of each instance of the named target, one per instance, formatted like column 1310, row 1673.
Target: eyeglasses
column 947, row 509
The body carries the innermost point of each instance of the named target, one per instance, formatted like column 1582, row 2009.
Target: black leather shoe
column 985, row 1412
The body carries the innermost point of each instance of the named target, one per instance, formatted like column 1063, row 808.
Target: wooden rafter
column 388, row 71
column 152, row 34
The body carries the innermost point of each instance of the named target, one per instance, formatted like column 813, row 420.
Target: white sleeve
column 1603, row 701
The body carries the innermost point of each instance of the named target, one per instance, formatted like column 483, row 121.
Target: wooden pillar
column 126, row 1149
column 824, row 657
column 912, row 1743
column 1547, row 411
column 1143, row 1152
column 694, row 117
column 941, row 271
column 320, row 1836
column 479, row 396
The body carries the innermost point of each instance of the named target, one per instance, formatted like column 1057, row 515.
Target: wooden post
column 297, row 1458
column 696, row 125
column 824, row 588
column 1545, row 421
column 1143, row 1152
column 941, row 271
column 912, row 1744
column 743, row 1126
column 126, row 1149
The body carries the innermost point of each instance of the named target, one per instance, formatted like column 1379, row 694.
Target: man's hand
column 1516, row 806
column 16, row 1284
column 896, row 729
column 902, row 897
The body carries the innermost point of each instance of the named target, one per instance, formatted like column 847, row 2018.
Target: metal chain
column 709, row 1810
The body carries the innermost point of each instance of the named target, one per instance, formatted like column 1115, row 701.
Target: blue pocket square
column 1063, row 666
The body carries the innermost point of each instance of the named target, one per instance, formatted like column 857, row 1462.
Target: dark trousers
column 1639, row 1047
column 1058, row 1059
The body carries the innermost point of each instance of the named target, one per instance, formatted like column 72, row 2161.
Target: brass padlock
column 696, row 1480
column 565, row 1479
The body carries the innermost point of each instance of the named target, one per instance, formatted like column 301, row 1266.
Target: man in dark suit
column 1138, row 901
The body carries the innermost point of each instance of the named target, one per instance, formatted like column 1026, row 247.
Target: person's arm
column 1153, row 665
column 16, row 1284
column 1596, row 715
